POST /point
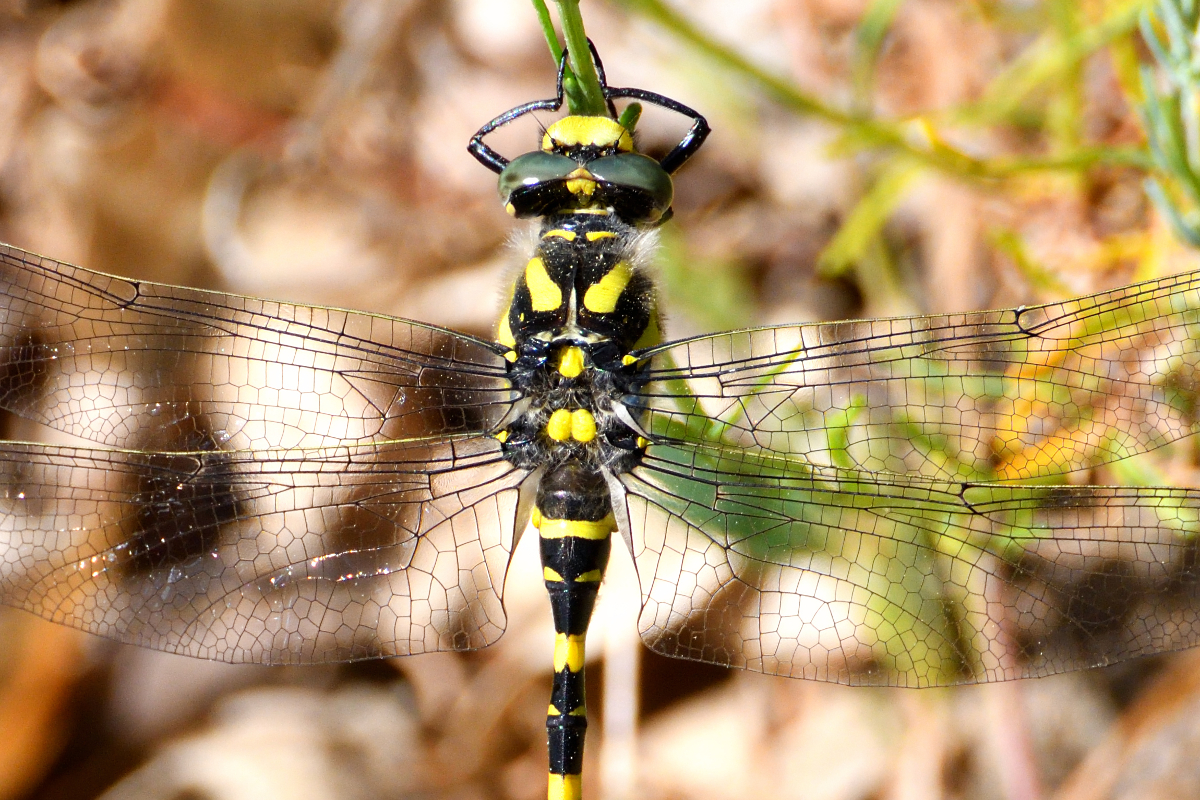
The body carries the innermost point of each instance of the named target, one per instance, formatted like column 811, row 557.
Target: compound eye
column 531, row 170
column 639, row 175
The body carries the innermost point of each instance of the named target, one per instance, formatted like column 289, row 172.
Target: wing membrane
column 266, row 556
column 770, row 565
column 995, row 395
column 125, row 363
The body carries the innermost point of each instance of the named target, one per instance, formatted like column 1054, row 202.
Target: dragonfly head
column 586, row 163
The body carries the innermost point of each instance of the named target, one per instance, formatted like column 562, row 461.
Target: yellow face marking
column 558, row 427
column 579, row 528
column 602, row 296
column 591, row 576
column 544, row 293
column 550, row 575
column 560, row 233
column 571, row 362
column 565, row 787
column 583, row 425
column 568, row 652
column 579, row 131
column 595, row 236
column 582, row 183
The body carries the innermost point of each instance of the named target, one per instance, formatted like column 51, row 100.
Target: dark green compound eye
column 540, row 183
column 643, row 185
column 533, row 181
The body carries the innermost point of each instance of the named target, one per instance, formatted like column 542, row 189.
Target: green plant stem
column 862, row 131
column 543, row 15
column 590, row 97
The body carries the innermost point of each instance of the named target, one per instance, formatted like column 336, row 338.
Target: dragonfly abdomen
column 574, row 518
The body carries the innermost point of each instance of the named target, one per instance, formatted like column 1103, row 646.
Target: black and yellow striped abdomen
column 574, row 519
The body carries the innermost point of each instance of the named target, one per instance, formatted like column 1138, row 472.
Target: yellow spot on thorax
column 504, row 333
column 581, row 131
column 602, row 296
column 558, row 427
column 568, row 652
column 579, row 528
column 583, row 425
column 544, row 293
column 579, row 425
column 501, row 436
column 565, row 787
column 560, row 233
column 571, row 362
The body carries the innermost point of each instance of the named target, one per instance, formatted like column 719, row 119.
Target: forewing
column 133, row 364
column 841, row 576
column 995, row 395
column 269, row 556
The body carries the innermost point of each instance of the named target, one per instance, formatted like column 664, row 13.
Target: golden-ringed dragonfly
column 848, row 502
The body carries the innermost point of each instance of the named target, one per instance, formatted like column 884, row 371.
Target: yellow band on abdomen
column 579, row 528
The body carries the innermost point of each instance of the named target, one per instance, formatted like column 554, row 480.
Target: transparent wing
column 266, row 556
column 995, row 395
column 132, row 364
column 766, row 564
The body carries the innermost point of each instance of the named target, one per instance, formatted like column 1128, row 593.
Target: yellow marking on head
column 602, row 296
column 581, row 182
column 511, row 209
column 579, row 528
column 565, row 787
column 544, row 293
column 560, row 233
column 595, row 236
column 571, row 362
column 536, row 518
column 591, row 576
column 558, row 427
column 550, row 575
column 579, row 131
column 552, row 711
column 568, row 652
column 583, row 425
column 501, row 436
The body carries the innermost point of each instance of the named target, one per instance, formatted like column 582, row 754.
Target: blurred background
column 870, row 158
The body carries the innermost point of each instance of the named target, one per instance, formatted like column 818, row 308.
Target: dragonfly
column 873, row 502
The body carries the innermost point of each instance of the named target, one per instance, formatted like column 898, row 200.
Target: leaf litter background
column 313, row 151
